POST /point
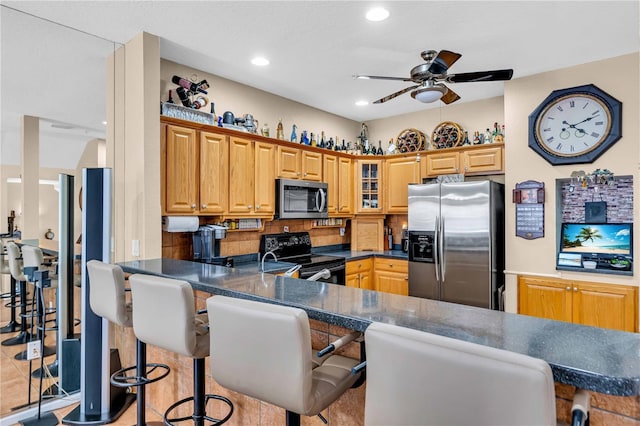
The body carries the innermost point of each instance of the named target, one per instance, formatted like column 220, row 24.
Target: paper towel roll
column 180, row 223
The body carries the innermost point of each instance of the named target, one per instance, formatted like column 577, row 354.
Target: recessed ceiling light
column 377, row 14
column 362, row 103
column 260, row 61
column 104, row 123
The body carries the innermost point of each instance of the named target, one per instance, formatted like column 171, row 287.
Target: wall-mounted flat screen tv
column 597, row 247
column 605, row 238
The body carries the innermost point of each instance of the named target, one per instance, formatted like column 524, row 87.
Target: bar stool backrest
column 32, row 256
column 264, row 351
column 164, row 315
column 4, row 260
column 415, row 377
column 107, row 295
column 15, row 263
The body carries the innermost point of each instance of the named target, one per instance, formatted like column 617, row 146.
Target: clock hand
column 573, row 126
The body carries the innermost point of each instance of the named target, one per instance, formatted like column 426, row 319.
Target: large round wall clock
column 575, row 125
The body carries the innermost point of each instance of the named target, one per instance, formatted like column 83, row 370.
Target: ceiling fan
column 428, row 76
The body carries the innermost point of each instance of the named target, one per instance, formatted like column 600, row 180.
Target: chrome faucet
column 272, row 253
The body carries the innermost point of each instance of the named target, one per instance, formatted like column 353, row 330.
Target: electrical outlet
column 135, row 247
column 33, row 349
column 342, row 232
column 285, row 229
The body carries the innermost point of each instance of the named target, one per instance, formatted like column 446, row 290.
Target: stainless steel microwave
column 301, row 199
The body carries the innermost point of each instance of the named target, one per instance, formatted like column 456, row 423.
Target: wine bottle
column 344, row 147
column 380, row 151
column 323, row 144
column 191, row 86
column 466, row 138
column 184, row 98
column 170, row 100
column 200, row 102
column 313, row 140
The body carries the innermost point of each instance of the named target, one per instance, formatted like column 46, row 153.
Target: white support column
column 30, row 171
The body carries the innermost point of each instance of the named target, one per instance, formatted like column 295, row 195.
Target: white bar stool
column 164, row 316
column 16, row 268
column 415, row 377
column 264, row 351
column 108, row 299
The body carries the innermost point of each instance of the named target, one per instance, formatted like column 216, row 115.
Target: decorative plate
column 411, row 140
column 447, row 135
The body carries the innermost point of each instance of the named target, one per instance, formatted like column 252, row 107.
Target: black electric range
column 295, row 247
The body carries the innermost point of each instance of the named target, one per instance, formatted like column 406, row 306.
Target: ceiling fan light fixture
column 377, row 14
column 361, row 103
column 429, row 94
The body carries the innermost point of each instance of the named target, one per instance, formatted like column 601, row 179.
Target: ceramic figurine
column 294, row 136
column 280, row 131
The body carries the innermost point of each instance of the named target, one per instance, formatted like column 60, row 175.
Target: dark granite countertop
column 601, row 360
column 355, row 255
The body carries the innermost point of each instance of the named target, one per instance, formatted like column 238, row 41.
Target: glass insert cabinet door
column 369, row 190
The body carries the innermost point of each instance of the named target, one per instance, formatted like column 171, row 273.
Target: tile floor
column 14, row 377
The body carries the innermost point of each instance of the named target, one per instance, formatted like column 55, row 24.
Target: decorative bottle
column 280, row 130
column 294, row 136
column 380, row 151
column 313, row 140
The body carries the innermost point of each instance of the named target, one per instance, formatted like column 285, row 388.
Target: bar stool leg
column 198, row 392
column 24, row 336
column 12, row 325
column 141, row 371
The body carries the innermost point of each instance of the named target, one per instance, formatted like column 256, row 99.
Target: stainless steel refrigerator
column 456, row 242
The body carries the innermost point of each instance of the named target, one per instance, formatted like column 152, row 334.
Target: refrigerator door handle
column 436, row 259
column 443, row 262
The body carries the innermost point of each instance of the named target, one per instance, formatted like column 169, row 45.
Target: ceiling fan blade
column 467, row 77
column 379, row 77
column 443, row 61
column 396, row 94
column 450, row 96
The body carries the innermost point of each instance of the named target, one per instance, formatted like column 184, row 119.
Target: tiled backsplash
column 178, row 245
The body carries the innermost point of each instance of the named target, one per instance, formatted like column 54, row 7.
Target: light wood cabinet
column 367, row 233
column 330, row 177
column 294, row 163
column 359, row 273
column 251, row 178
column 478, row 159
column 483, row 160
column 368, row 191
column 213, row 173
column 398, row 174
column 601, row 305
column 193, row 171
column 391, row 276
column 337, row 172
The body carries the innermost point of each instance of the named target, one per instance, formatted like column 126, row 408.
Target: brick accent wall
column 618, row 196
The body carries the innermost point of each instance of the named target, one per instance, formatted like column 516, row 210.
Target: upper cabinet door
column 241, row 179
column 483, row 160
column 330, row 177
column 265, row 172
column 312, row 166
column 181, row 170
column 345, row 181
column 399, row 173
column 288, row 163
column 213, row 173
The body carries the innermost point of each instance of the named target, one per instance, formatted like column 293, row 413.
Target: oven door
column 336, row 270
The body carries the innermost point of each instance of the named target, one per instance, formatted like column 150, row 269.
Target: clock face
column 575, row 125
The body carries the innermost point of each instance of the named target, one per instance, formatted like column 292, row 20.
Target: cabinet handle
column 568, row 288
column 204, row 206
column 298, row 174
column 249, row 206
column 258, row 207
column 406, row 278
column 304, row 173
column 575, row 289
column 193, row 206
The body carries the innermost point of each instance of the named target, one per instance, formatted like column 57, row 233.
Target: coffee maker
column 206, row 245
